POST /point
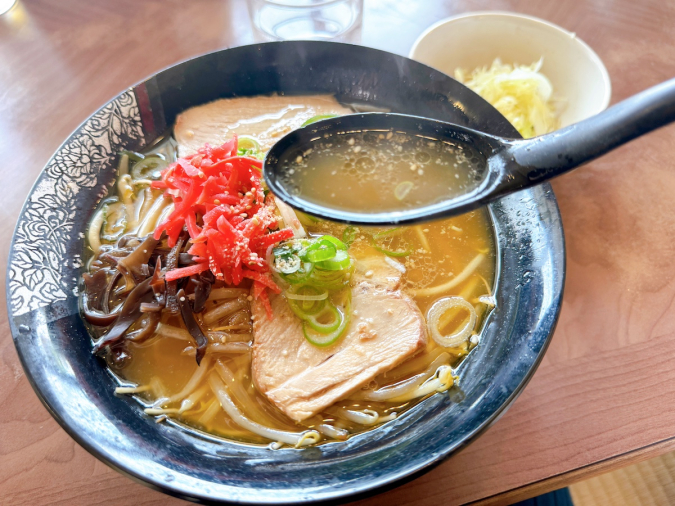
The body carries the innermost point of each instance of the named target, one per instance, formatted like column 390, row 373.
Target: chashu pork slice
column 302, row 379
column 267, row 118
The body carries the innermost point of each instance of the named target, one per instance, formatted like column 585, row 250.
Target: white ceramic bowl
column 473, row 40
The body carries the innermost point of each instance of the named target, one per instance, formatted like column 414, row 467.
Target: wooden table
column 604, row 395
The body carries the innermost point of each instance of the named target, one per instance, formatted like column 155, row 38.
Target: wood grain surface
column 604, row 395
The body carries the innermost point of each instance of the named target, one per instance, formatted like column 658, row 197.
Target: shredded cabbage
column 520, row 92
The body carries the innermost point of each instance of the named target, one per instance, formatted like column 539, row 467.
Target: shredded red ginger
column 218, row 196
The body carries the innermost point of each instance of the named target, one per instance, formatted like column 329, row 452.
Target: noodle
column 296, row 439
column 423, row 238
column 185, row 404
column 220, row 349
column 192, row 384
column 225, row 309
column 249, row 406
column 227, row 293
column 173, row 332
column 231, row 338
column 449, row 285
column 414, row 365
column 210, row 413
column 145, row 205
column 151, row 218
column 126, row 190
column 94, row 232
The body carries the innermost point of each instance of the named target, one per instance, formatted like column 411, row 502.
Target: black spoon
column 511, row 164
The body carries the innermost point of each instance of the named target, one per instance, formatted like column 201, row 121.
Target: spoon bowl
column 509, row 165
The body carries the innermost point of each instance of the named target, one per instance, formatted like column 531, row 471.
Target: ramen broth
column 439, row 251
column 375, row 171
column 454, row 257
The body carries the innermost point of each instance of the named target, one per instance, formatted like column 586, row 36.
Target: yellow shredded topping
column 520, row 92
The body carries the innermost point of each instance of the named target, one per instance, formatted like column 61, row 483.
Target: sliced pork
column 301, row 379
column 269, row 118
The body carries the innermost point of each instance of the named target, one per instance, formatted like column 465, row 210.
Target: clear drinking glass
column 6, row 5
column 305, row 19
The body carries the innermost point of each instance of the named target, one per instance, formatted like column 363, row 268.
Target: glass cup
column 305, row 19
column 6, row 5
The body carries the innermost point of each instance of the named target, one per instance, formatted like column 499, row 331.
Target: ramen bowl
column 46, row 261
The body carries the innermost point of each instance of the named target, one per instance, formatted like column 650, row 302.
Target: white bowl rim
column 593, row 56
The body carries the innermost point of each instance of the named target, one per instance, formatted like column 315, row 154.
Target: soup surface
column 444, row 270
column 379, row 171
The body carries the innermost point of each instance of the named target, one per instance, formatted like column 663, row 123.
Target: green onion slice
column 318, row 117
column 319, row 251
column 326, row 320
column 301, row 275
column 339, row 262
column 306, row 219
column 306, row 299
column 388, row 233
column 320, row 339
column 349, row 235
column 287, row 264
column 149, row 167
column 133, row 155
column 335, row 241
column 248, row 143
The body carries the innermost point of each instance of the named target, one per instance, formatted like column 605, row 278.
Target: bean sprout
column 297, row 439
column 405, row 387
column 440, row 382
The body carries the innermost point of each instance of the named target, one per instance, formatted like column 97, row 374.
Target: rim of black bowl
column 35, row 319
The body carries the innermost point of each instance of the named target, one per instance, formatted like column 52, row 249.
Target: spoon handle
column 551, row 155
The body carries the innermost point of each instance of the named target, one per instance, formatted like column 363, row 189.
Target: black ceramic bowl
column 46, row 258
